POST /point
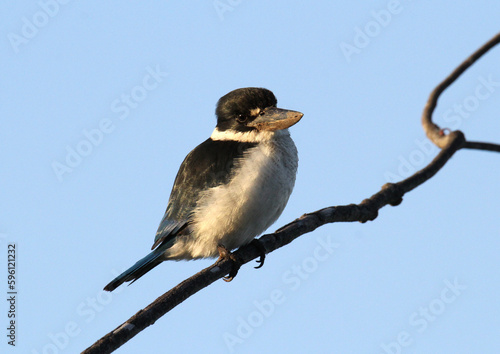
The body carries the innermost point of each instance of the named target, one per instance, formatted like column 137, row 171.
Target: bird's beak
column 275, row 119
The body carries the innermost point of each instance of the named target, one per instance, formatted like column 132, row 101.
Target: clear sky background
column 101, row 101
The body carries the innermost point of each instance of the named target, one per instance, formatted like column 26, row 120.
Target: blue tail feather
column 140, row 268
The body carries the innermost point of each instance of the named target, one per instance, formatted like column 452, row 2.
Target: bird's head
column 253, row 109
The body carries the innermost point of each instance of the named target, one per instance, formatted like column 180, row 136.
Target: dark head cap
column 252, row 108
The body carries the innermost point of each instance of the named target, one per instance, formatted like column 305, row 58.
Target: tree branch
column 367, row 210
column 433, row 131
column 476, row 145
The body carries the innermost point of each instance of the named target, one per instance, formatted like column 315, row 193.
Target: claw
column 262, row 250
column 224, row 253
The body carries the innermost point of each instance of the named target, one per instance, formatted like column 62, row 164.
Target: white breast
column 235, row 213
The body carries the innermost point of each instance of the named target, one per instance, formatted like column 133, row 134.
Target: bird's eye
column 241, row 118
column 261, row 113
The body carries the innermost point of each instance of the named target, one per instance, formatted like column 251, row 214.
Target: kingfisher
column 231, row 187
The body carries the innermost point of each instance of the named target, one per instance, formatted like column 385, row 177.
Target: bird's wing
column 210, row 164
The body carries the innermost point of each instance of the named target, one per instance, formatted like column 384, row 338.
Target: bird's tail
column 138, row 269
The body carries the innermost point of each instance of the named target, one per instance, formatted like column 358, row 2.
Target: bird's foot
column 224, row 254
column 262, row 250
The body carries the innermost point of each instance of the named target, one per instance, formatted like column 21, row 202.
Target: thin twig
column 433, row 131
column 476, row 145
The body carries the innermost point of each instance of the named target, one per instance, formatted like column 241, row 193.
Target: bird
column 231, row 187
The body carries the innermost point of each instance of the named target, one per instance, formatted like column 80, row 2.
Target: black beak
column 275, row 119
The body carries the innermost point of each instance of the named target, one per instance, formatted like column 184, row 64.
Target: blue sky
column 100, row 103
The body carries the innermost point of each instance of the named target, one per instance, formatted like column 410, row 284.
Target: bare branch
column 432, row 130
column 367, row 210
column 476, row 145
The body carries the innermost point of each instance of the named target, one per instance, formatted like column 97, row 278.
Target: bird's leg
column 224, row 253
column 262, row 250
